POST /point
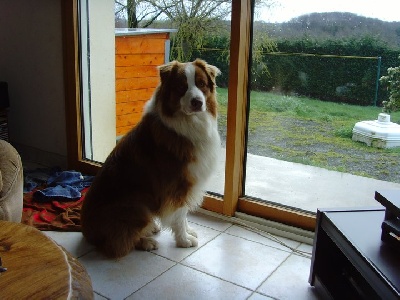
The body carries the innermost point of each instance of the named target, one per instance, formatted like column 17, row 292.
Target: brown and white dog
column 159, row 169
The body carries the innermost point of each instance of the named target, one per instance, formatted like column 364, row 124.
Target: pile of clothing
column 53, row 198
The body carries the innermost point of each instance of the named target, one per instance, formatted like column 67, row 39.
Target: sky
column 284, row 10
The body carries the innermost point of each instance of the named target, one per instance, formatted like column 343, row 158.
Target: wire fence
column 350, row 79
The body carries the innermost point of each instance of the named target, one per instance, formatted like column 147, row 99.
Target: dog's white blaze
column 202, row 130
column 193, row 92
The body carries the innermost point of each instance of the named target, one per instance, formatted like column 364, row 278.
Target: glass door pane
column 118, row 68
column 315, row 74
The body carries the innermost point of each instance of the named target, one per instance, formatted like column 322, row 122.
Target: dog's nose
column 196, row 104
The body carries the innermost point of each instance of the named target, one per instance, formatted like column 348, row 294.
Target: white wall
column 31, row 62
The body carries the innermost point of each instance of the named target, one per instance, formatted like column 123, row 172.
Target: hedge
column 332, row 70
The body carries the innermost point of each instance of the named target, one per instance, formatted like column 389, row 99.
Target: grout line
column 94, row 292
column 249, row 240
column 255, row 228
column 146, row 284
column 275, row 239
column 208, row 226
column 214, row 276
column 255, row 292
column 179, row 262
column 197, row 249
column 219, row 233
column 267, row 226
column 271, row 275
column 86, row 253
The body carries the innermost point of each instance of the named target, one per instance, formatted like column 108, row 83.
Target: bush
column 215, row 51
column 392, row 81
column 343, row 71
column 321, row 69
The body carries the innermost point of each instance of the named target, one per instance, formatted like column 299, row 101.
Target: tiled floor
column 231, row 262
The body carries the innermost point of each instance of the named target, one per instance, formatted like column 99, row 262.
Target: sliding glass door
column 314, row 75
column 278, row 135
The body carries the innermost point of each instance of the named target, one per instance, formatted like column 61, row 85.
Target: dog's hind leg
column 146, row 242
column 130, row 227
column 185, row 237
column 119, row 243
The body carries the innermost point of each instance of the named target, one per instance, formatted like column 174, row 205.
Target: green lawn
column 314, row 132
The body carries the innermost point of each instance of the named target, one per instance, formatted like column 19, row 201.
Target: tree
column 192, row 18
column 137, row 13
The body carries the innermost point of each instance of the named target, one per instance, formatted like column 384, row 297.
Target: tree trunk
column 132, row 18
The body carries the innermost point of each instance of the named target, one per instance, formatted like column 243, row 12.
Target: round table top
column 37, row 267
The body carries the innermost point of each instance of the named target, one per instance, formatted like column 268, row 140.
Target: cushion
column 11, row 183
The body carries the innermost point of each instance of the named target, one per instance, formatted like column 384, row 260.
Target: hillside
column 334, row 26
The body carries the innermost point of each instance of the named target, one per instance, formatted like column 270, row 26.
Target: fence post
column 378, row 75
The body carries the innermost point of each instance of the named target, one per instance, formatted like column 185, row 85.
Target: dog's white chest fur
column 207, row 149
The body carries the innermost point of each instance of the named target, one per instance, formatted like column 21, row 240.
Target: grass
column 314, row 132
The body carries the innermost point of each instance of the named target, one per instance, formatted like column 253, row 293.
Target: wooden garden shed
column 137, row 54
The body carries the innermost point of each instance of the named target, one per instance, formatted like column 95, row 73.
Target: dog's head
column 187, row 88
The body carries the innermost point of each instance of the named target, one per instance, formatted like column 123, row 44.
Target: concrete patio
column 302, row 186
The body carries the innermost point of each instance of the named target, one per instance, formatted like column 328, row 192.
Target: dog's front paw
column 191, row 232
column 156, row 228
column 147, row 244
column 190, row 241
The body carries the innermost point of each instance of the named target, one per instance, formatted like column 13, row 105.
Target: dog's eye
column 201, row 84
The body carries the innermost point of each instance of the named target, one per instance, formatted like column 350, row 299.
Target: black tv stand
column 349, row 259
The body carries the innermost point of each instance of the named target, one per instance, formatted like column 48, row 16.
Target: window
column 277, row 199
column 321, row 78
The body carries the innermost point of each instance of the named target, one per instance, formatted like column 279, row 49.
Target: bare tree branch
column 193, row 18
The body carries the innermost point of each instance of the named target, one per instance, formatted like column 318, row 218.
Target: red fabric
column 53, row 215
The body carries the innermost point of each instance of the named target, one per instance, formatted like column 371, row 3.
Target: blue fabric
column 70, row 178
column 58, row 192
column 61, row 185
column 37, row 177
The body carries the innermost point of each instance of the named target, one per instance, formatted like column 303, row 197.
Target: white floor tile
column 73, row 242
column 182, row 282
column 209, row 221
column 305, row 248
column 237, row 260
column 263, row 238
column 117, row 279
column 230, row 262
column 168, row 249
column 290, row 281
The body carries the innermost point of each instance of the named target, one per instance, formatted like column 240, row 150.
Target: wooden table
column 37, row 267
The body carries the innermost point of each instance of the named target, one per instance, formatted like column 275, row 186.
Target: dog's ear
column 213, row 71
column 165, row 70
